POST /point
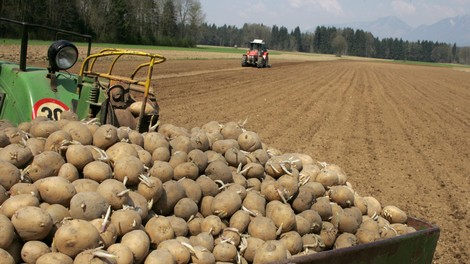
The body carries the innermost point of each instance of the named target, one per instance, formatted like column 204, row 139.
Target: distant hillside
column 449, row 30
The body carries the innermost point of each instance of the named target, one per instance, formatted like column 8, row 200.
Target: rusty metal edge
column 419, row 247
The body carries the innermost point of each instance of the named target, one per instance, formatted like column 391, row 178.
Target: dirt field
column 401, row 132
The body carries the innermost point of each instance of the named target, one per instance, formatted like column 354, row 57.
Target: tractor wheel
column 261, row 62
column 244, row 63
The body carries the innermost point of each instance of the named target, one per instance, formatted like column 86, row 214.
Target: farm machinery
column 257, row 55
column 28, row 92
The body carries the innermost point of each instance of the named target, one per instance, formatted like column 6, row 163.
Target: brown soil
column 402, row 133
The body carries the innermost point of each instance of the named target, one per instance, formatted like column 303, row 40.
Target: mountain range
column 449, row 30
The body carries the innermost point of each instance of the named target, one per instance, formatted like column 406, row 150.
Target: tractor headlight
column 62, row 55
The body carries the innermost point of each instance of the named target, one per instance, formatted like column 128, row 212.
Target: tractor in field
column 28, row 92
column 257, row 55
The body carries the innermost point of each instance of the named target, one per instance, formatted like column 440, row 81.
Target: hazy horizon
column 311, row 13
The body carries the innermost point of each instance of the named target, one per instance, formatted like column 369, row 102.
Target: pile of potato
column 78, row 192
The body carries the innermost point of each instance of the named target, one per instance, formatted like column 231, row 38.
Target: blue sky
column 310, row 13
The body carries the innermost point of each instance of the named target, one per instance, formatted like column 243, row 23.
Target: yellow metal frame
column 88, row 64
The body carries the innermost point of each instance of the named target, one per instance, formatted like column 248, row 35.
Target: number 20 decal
column 50, row 108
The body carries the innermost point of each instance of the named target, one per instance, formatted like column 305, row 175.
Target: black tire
column 261, row 62
column 244, row 64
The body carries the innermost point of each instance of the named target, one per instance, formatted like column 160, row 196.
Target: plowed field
column 401, row 132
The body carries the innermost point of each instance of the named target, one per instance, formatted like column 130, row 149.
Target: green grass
column 433, row 64
column 200, row 48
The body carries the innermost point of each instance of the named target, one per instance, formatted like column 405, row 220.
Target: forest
column 182, row 23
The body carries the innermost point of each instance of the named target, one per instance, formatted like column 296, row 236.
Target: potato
column 271, row 251
column 45, row 164
column 88, row 206
column 32, row 250
column 7, row 230
column 13, row 203
column 79, row 156
column 186, row 170
column 323, row 207
column 129, row 167
column 58, row 213
column 161, row 154
column 172, row 193
column 162, row 170
column 345, row 240
column 200, row 140
column 231, row 130
column 150, row 188
column 262, row 227
column 69, row 172
column 138, row 203
column 5, row 257
column 341, row 195
column 122, row 252
column 249, row 141
column 95, row 256
column 226, row 203
column 54, row 257
column 394, row 214
column 208, row 186
column 159, row 229
column 115, row 193
column 121, row 149
column 17, row 154
column 218, row 170
column 76, row 235
column 138, row 242
column 179, row 252
column 212, row 224
column 108, row 232
column 327, row 177
column 292, row 241
column 57, row 140
column 253, row 246
column 154, row 140
column 5, row 140
column 282, row 215
column 191, row 189
column 43, row 129
column 255, row 203
column 56, row 190
column 328, row 234
column 105, row 136
column 125, row 221
column 36, row 145
column 32, row 223
column 85, row 185
column 186, row 208
column 10, row 174
column 180, row 226
column 97, row 171
column 314, row 219
column 79, row 132
column 199, row 158
column 225, row 252
column 178, row 157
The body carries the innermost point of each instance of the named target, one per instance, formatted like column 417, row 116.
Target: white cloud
column 330, row 6
column 403, row 7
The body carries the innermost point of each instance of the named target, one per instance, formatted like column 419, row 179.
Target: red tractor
column 257, row 55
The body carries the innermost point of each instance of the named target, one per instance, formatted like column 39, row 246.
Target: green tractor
column 28, row 92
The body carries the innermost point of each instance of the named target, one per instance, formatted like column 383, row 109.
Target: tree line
column 182, row 23
column 146, row 22
column 338, row 41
